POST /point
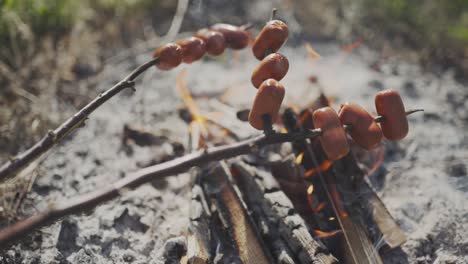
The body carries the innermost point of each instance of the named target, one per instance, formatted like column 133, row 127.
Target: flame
column 378, row 161
column 304, row 117
column 182, row 89
column 321, row 168
column 313, row 55
column 337, row 200
column 323, row 234
column 331, row 218
column 319, row 207
column 310, row 190
column 350, row 47
column 299, row 158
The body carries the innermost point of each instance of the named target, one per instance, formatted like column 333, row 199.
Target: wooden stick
column 16, row 164
column 173, row 167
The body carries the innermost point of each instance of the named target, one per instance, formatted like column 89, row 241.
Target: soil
column 423, row 180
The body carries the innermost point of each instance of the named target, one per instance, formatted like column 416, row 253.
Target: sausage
column 170, row 56
column 273, row 66
column 193, row 49
column 364, row 130
column 236, row 37
column 270, row 39
column 333, row 138
column 215, row 41
column 267, row 101
column 389, row 105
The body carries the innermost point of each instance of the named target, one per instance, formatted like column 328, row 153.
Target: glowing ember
column 322, row 168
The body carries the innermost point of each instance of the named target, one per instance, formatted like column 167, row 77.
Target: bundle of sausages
column 352, row 118
column 213, row 40
column 360, row 125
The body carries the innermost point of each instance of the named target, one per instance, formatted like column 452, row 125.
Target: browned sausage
column 273, row 66
column 364, row 130
column 389, row 105
column 215, row 41
column 170, row 56
column 333, row 138
column 270, row 39
column 236, row 37
column 193, row 49
column 267, row 101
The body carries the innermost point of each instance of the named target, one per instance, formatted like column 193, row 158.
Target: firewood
column 261, row 187
column 198, row 239
column 234, row 215
column 381, row 224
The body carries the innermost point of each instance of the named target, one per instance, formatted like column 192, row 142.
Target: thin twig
column 13, row 166
column 173, row 167
column 182, row 6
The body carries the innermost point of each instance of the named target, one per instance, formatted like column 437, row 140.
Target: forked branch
column 14, row 165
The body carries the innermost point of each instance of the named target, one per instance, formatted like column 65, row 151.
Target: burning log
column 354, row 245
column 198, row 240
column 284, row 227
column 232, row 232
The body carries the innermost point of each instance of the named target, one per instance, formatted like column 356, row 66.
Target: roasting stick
column 53, row 137
column 173, row 167
column 166, row 57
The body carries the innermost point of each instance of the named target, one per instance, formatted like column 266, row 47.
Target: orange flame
column 378, row 162
column 313, row 55
column 299, row 158
column 323, row 234
column 304, row 116
column 350, row 47
column 321, row 168
column 319, row 207
column 337, row 199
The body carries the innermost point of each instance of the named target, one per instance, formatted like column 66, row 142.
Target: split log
column 360, row 196
column 199, row 237
column 263, row 193
column 240, row 230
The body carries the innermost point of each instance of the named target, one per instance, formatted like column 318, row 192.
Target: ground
column 423, row 180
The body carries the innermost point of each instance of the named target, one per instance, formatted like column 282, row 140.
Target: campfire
column 294, row 194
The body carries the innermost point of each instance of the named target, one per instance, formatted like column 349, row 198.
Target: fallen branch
column 173, row 167
column 14, row 165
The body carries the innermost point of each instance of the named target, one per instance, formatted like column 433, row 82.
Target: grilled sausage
column 364, row 130
column 273, row 66
column 267, row 101
column 236, row 37
column 215, row 41
column 395, row 123
column 193, row 49
column 333, row 138
column 270, row 39
column 170, row 56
